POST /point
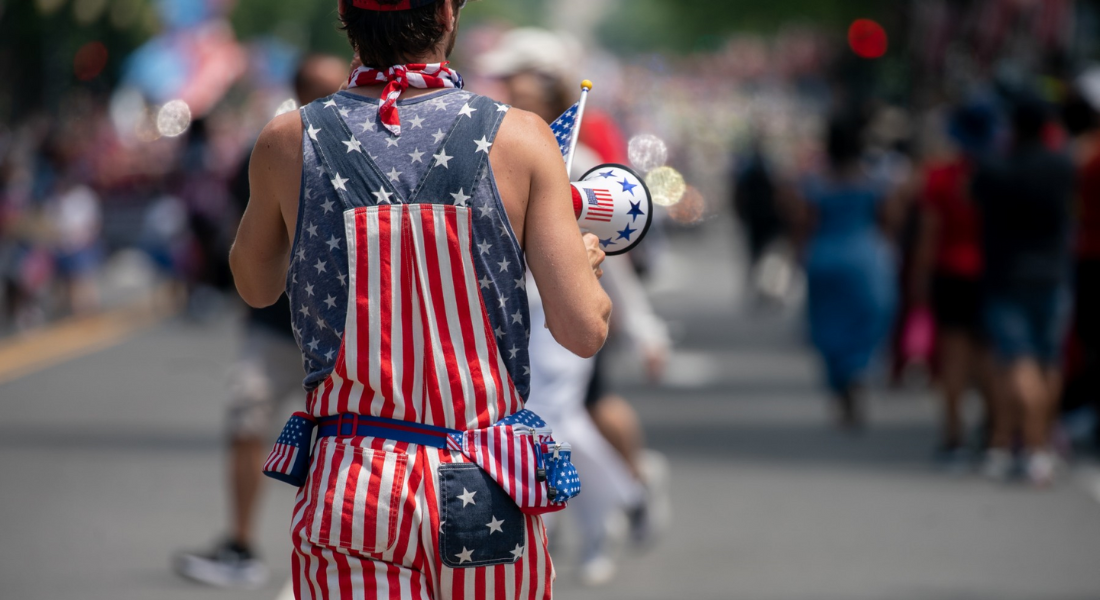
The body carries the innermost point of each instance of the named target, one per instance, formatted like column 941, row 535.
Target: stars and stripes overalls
column 407, row 286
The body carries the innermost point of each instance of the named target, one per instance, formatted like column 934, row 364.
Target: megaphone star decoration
column 614, row 203
column 611, row 200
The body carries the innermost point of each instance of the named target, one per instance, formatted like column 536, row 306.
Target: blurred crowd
column 953, row 233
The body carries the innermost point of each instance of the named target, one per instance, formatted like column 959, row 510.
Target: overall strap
column 459, row 162
column 344, row 158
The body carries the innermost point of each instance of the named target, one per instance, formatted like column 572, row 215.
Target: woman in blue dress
column 850, row 266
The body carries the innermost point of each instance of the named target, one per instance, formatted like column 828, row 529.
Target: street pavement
column 111, row 461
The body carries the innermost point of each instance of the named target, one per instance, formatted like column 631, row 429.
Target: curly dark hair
column 384, row 39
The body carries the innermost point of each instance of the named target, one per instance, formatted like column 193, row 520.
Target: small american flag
column 564, row 128
column 289, row 459
column 601, row 205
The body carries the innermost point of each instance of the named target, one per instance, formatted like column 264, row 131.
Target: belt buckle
column 353, row 421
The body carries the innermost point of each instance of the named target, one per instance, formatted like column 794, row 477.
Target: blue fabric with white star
column 479, row 524
column 318, row 275
column 564, row 128
column 561, row 475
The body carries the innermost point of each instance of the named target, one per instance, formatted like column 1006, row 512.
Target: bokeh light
column 690, row 209
column 48, row 7
column 647, row 152
column 90, row 61
column 173, row 118
column 666, row 185
column 88, row 11
column 286, row 106
column 125, row 12
column 867, row 38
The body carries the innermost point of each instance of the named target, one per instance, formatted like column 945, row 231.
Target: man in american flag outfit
column 399, row 216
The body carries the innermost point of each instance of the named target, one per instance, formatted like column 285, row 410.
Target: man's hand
column 596, row 254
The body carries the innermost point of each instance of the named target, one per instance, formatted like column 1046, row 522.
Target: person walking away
column 754, row 201
column 268, row 371
column 947, row 276
column 1025, row 204
column 409, row 310
column 851, row 277
column 535, row 67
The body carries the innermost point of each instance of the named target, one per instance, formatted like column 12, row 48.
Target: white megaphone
column 613, row 203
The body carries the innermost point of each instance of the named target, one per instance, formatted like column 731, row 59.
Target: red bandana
column 400, row 78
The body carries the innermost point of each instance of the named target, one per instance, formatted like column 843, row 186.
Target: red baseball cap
column 387, row 7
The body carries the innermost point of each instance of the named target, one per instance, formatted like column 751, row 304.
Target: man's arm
column 564, row 265
column 261, row 253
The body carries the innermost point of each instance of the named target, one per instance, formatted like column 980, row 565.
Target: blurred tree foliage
column 700, row 25
column 314, row 25
column 39, row 39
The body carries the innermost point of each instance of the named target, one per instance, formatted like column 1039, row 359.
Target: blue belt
column 356, row 425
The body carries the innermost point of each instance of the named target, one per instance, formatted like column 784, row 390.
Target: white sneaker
column 650, row 520
column 1041, row 467
column 225, row 566
column 997, row 464
column 599, row 570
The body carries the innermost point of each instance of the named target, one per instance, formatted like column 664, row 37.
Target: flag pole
column 586, row 86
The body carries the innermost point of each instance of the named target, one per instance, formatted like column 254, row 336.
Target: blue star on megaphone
column 608, row 204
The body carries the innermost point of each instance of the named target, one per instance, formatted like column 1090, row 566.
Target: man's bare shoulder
column 280, row 142
column 524, row 136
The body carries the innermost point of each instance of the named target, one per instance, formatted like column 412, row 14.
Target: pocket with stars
column 480, row 525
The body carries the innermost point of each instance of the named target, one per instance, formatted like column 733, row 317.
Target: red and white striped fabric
column 508, row 454
column 281, row 458
column 399, row 78
column 362, row 489
column 410, row 350
column 409, row 567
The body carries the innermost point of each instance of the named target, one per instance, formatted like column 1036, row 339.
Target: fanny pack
column 518, row 452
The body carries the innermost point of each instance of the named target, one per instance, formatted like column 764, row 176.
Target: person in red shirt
column 1086, row 323
column 948, row 271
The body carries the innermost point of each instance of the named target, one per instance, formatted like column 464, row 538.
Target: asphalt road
column 111, row 461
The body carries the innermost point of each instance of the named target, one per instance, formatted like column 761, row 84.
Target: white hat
column 532, row 49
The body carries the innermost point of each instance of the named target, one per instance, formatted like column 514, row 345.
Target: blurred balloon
column 667, row 185
column 867, row 38
column 89, row 61
column 127, row 110
column 87, row 11
column 690, row 209
column 173, row 118
column 647, row 152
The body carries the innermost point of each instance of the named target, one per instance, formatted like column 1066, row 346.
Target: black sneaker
column 229, row 565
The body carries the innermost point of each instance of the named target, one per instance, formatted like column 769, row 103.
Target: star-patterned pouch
column 480, row 525
column 561, row 476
